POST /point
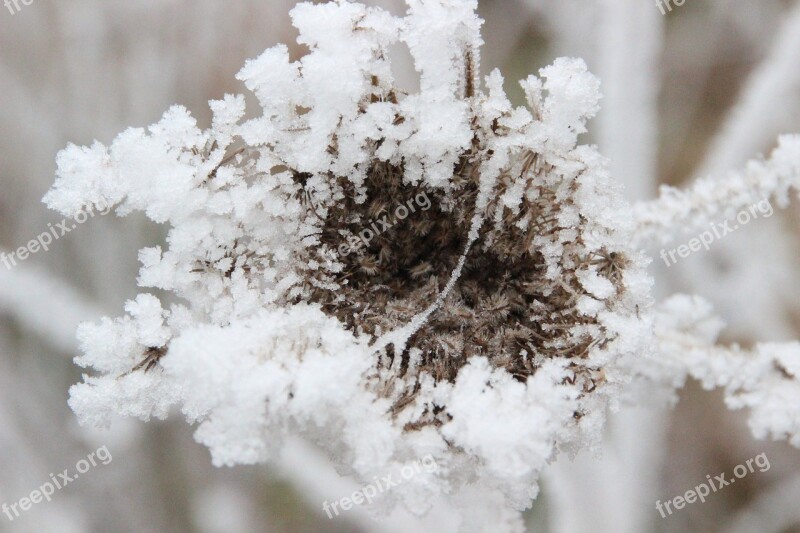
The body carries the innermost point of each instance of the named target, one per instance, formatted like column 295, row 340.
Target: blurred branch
column 615, row 491
column 766, row 100
column 44, row 304
column 318, row 481
column 630, row 39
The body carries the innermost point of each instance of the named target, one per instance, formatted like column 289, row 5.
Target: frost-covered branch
column 765, row 380
column 716, row 198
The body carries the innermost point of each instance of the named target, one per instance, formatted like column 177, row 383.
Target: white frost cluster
column 765, row 380
column 248, row 361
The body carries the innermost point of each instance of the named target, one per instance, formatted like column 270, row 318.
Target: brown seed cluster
column 503, row 307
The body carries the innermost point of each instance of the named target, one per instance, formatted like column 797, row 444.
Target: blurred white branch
column 768, row 99
column 47, row 306
column 317, row 481
column 614, row 492
column 629, row 41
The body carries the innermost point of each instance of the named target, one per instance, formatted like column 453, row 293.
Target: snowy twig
column 716, row 198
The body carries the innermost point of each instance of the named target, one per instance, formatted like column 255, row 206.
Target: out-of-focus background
column 693, row 91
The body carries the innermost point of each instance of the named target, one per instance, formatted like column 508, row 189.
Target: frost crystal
column 395, row 275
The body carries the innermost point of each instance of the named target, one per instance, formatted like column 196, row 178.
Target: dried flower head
column 389, row 275
column 461, row 250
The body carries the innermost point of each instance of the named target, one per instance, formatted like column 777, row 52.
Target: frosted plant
column 395, row 275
